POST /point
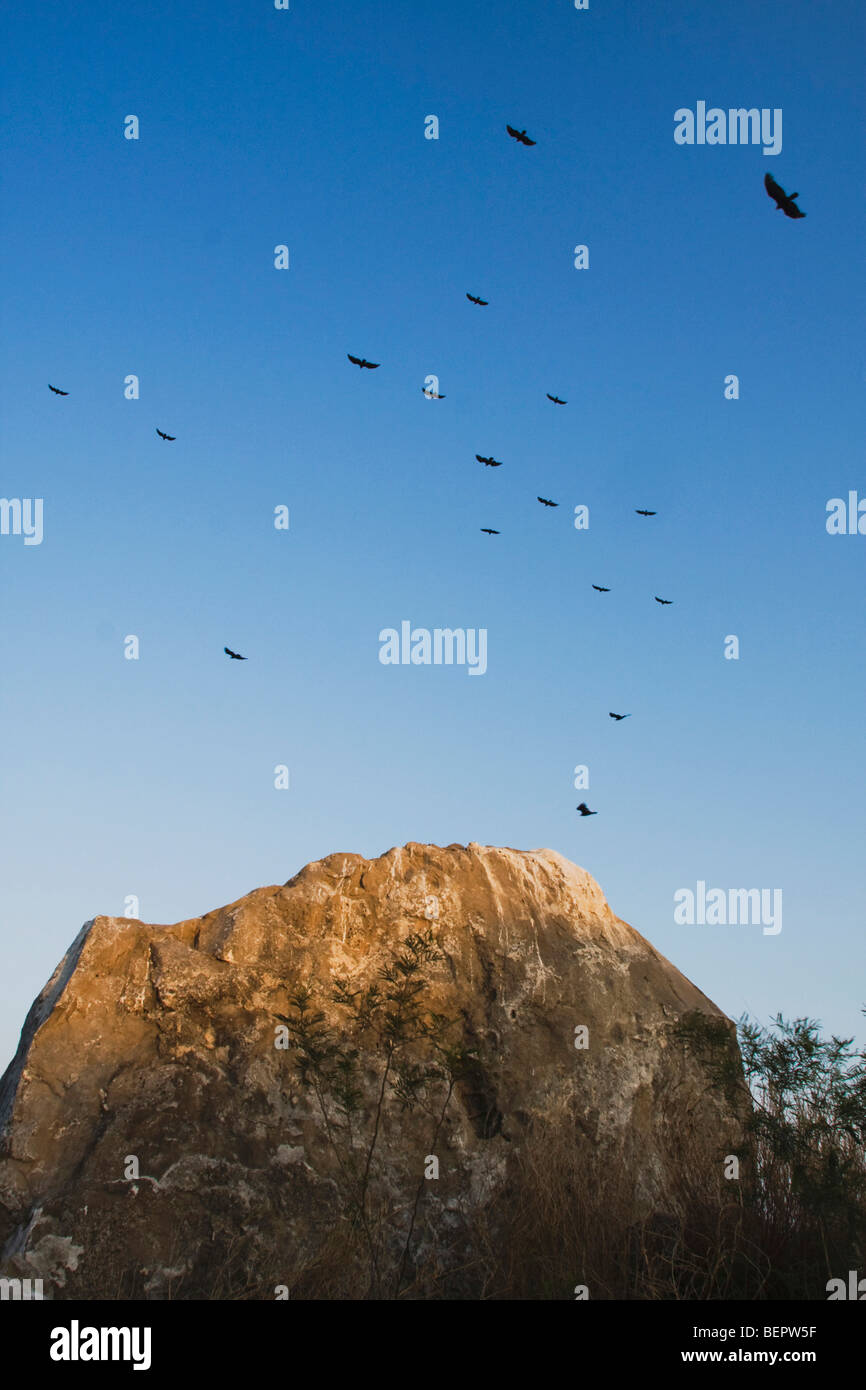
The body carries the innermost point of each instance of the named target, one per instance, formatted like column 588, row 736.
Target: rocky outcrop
column 330, row 1086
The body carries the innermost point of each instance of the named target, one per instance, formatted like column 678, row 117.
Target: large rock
column 159, row 1139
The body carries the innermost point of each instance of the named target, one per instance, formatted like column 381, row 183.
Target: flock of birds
column 487, row 459
column 785, row 202
column 162, row 434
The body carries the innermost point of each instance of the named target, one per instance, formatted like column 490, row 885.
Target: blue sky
column 156, row 257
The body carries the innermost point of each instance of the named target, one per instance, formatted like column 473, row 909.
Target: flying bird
column 556, row 400
column 662, row 600
column 57, row 391
column 585, row 811
column 491, row 462
column 520, row 135
column 432, row 395
column 362, row 361
column 546, row 502
column 475, row 300
column 619, row 716
column 601, row 589
column 784, row 201
column 641, row 511
column 488, row 531
column 234, row 656
column 163, row 435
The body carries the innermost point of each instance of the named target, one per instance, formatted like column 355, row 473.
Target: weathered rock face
column 177, row 1122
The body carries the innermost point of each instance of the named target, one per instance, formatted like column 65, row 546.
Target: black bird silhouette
column 488, row 531
column 784, row 201
column 619, row 716
column 163, row 435
column 475, row 300
column 556, row 400
column 234, row 656
column 432, row 395
column 491, row 462
column 642, row 512
column 520, row 135
column 546, row 502
column 601, row 589
column 585, row 811
column 362, row 361
column 662, row 600
column 57, row 391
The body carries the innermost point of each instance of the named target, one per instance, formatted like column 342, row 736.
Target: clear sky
column 155, row 257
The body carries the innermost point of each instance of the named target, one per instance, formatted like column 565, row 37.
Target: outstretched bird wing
column 783, row 200
column 57, row 391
